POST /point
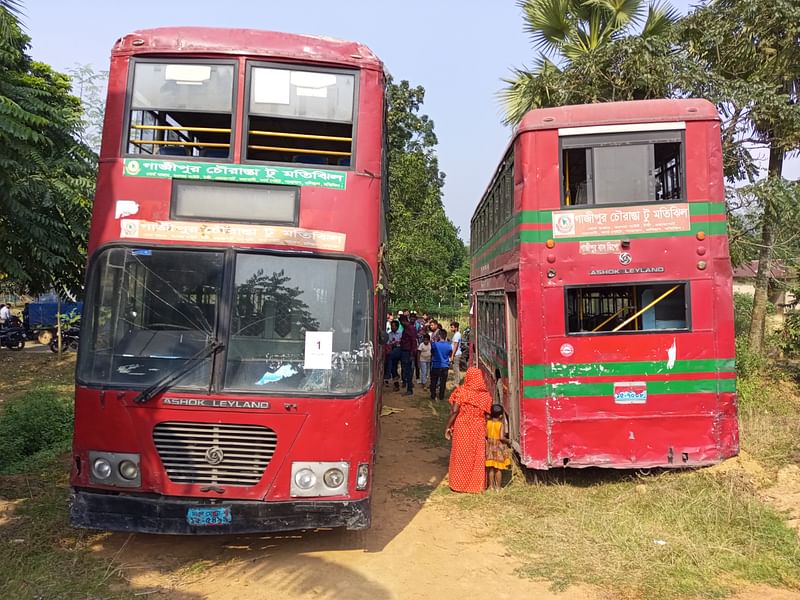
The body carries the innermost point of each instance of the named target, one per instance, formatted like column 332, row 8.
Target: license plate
column 208, row 516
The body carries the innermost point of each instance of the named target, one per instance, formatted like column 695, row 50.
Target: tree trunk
column 760, row 296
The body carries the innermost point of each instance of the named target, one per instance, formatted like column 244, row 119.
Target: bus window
column 627, row 308
column 153, row 310
column 300, row 116
column 278, row 300
column 621, row 168
column 181, row 110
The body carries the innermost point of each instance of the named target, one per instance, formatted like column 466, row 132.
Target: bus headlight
column 128, row 470
column 120, row 469
column 333, row 478
column 305, row 479
column 319, row 479
column 101, row 468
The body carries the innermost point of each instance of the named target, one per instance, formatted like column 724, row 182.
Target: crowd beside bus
column 424, row 353
column 418, row 351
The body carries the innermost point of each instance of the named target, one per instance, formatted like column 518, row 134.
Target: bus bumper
column 167, row 515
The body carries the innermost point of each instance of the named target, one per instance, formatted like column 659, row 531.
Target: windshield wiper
column 169, row 379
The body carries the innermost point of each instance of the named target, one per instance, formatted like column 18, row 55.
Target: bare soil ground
column 415, row 548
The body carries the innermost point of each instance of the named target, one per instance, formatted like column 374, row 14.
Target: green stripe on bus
column 487, row 251
column 678, row 386
column 725, row 365
column 708, row 227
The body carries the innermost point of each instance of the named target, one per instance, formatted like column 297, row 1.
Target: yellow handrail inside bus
column 172, row 128
column 302, row 136
column 299, row 150
column 170, row 143
column 611, row 317
column 646, row 308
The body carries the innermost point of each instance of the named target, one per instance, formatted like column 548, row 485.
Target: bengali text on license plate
column 208, row 516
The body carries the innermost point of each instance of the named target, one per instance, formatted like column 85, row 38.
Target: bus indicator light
column 550, row 244
column 701, row 235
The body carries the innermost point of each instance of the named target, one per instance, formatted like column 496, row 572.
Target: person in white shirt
column 5, row 314
column 424, row 359
column 456, row 362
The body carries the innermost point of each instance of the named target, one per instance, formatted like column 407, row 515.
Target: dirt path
column 414, row 549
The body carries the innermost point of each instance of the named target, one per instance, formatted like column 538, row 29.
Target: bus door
column 513, row 368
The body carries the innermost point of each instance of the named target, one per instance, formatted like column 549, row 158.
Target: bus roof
column 251, row 42
column 618, row 113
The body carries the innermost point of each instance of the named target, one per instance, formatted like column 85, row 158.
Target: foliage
column 598, row 58
column 788, row 338
column 750, row 61
column 742, row 307
column 425, row 252
column 46, row 173
column 90, row 87
column 34, row 428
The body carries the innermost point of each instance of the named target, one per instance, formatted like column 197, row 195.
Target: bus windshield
column 292, row 325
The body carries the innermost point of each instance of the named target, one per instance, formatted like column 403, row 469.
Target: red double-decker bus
column 601, row 287
column 226, row 380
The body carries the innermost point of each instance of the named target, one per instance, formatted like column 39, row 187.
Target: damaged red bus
column 226, row 380
column 601, row 287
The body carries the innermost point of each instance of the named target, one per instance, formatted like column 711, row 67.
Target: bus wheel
column 45, row 336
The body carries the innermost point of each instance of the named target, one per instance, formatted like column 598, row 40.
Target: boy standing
column 456, row 340
column 440, row 362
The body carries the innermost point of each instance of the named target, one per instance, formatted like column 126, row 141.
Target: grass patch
column 41, row 556
column 27, row 370
column 35, row 428
column 416, row 491
column 769, row 417
column 431, row 428
column 715, row 534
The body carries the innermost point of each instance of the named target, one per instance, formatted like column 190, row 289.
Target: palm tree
column 566, row 31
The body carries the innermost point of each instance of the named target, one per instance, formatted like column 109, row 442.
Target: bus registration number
column 630, row 392
column 208, row 516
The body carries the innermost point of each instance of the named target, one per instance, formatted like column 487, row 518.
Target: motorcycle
column 69, row 339
column 12, row 336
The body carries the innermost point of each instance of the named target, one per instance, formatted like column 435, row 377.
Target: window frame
column 687, row 287
column 250, row 64
column 622, row 138
column 167, row 60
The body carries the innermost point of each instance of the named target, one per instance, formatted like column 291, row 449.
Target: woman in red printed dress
column 469, row 405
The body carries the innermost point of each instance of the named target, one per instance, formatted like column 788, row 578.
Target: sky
column 457, row 50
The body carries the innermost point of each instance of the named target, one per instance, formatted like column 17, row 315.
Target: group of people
column 419, row 346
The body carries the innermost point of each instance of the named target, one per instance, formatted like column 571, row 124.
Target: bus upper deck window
column 622, row 168
column 181, row 110
column 300, row 116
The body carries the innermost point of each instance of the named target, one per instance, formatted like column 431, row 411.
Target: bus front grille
column 213, row 453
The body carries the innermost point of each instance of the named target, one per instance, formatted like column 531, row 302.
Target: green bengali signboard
column 171, row 169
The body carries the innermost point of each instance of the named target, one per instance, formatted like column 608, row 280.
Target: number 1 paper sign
column 319, row 349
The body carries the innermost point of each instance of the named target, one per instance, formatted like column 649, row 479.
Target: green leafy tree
column 424, row 247
column 90, row 88
column 46, row 172
column 591, row 51
column 750, row 55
